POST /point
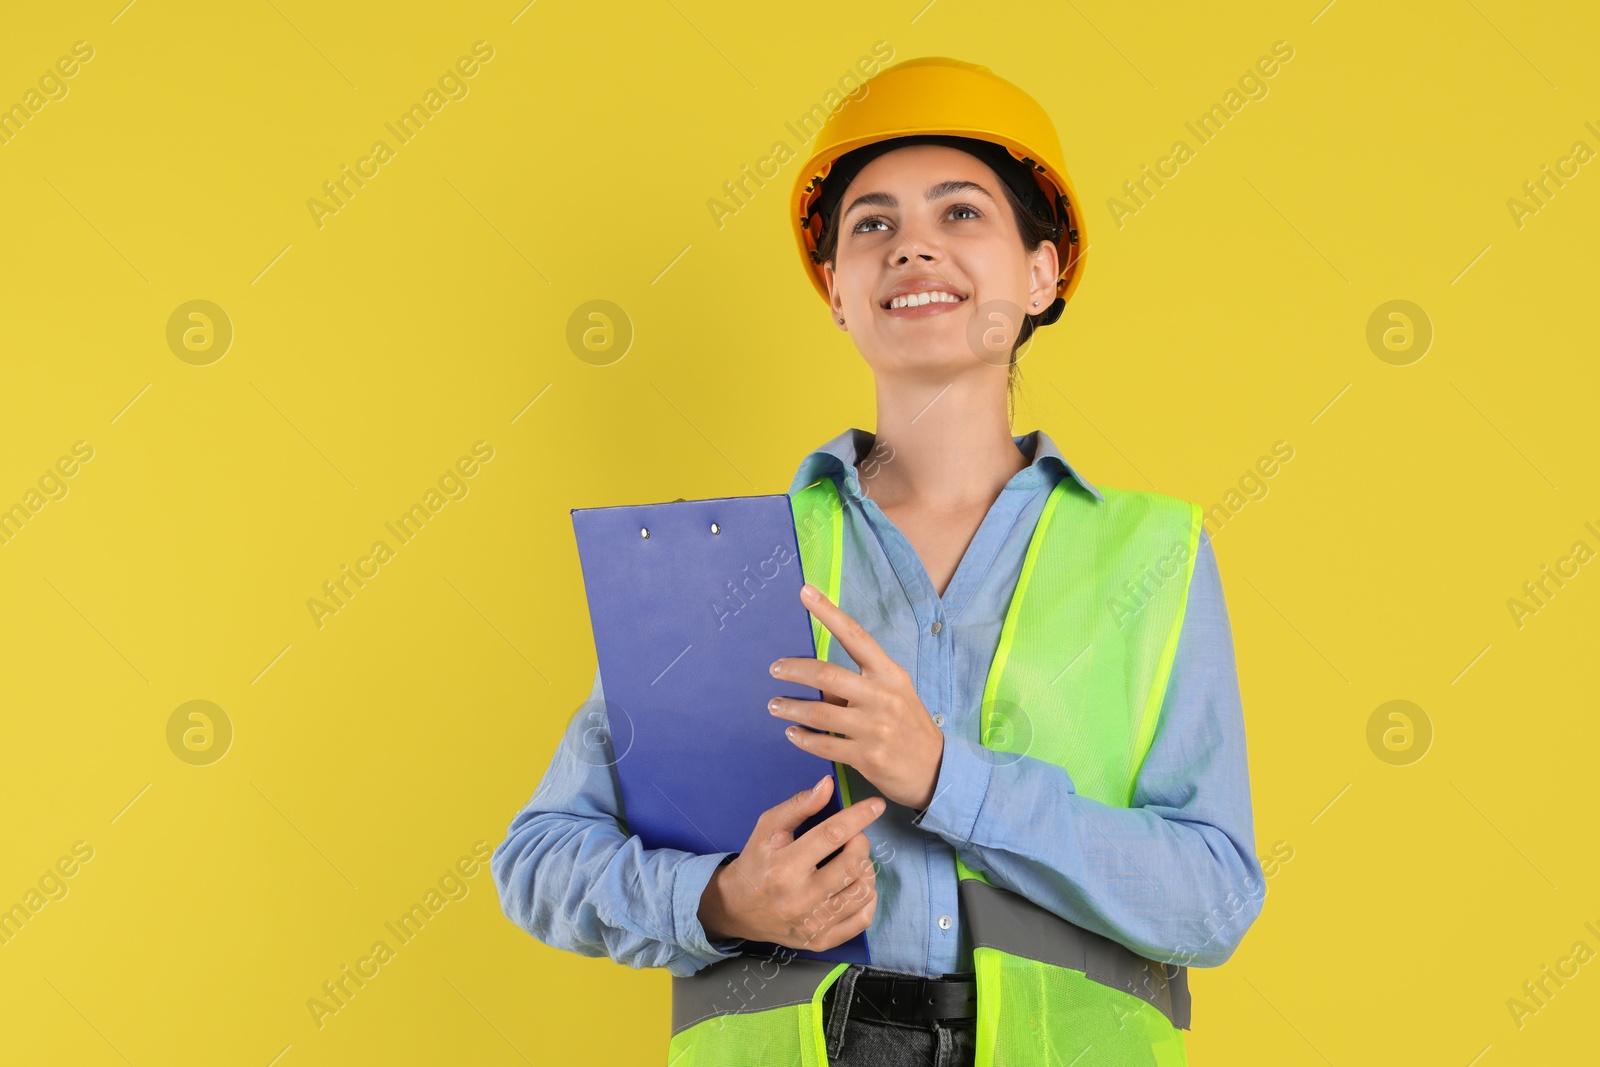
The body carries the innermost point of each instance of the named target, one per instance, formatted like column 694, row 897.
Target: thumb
column 775, row 829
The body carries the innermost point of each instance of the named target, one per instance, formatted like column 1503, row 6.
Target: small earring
column 839, row 321
column 1036, row 303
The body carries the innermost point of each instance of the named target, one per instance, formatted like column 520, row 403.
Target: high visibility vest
column 1077, row 680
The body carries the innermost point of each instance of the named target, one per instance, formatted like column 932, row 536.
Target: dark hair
column 1033, row 229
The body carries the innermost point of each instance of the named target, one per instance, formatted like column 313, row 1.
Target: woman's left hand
column 888, row 734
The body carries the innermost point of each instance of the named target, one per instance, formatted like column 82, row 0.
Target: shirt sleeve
column 1174, row 876
column 569, row 873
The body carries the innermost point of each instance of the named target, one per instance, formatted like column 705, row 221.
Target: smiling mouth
column 913, row 300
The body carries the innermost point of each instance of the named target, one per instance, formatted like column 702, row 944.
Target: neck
column 944, row 447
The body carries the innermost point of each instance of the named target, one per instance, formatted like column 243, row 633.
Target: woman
column 1031, row 694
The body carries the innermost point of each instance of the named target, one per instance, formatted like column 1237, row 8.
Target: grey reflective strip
column 999, row 918
column 745, row 983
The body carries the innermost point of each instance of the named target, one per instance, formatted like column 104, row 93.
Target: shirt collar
column 839, row 456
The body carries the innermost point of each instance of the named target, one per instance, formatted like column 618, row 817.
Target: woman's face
column 928, row 217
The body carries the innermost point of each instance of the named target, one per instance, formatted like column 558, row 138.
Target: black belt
column 914, row 1000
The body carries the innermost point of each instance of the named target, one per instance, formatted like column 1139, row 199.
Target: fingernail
column 808, row 591
column 819, row 783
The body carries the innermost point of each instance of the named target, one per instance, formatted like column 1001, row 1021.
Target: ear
column 831, row 282
column 1043, row 270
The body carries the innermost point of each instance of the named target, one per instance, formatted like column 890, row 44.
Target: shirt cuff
column 959, row 793
column 688, row 886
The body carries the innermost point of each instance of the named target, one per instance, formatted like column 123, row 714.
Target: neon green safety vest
column 1077, row 680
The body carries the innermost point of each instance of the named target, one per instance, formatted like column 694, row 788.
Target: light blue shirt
column 1173, row 877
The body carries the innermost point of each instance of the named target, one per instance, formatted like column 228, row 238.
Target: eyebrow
column 935, row 192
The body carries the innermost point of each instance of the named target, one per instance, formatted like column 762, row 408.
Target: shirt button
column 936, row 627
column 944, row 922
column 938, row 719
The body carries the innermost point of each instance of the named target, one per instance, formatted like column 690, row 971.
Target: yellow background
column 431, row 311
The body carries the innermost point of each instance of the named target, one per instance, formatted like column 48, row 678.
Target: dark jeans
column 859, row 1042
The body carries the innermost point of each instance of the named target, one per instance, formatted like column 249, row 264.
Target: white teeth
column 917, row 299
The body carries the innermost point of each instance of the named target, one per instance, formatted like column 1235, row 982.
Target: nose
column 908, row 250
column 915, row 243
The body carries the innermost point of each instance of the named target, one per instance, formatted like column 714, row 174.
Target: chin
column 946, row 354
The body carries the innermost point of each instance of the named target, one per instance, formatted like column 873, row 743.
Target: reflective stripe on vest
column 746, row 984
column 1077, row 680
column 1014, row 924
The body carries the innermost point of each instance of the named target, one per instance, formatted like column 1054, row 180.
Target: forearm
column 1173, row 876
column 568, row 874
column 579, row 885
column 1163, row 882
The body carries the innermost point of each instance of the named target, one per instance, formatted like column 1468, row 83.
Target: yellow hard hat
column 939, row 100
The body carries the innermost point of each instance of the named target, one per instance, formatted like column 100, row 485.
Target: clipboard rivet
column 644, row 532
column 715, row 528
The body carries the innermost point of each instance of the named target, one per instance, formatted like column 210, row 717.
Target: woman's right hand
column 774, row 891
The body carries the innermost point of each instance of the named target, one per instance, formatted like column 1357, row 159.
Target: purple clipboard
column 690, row 602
